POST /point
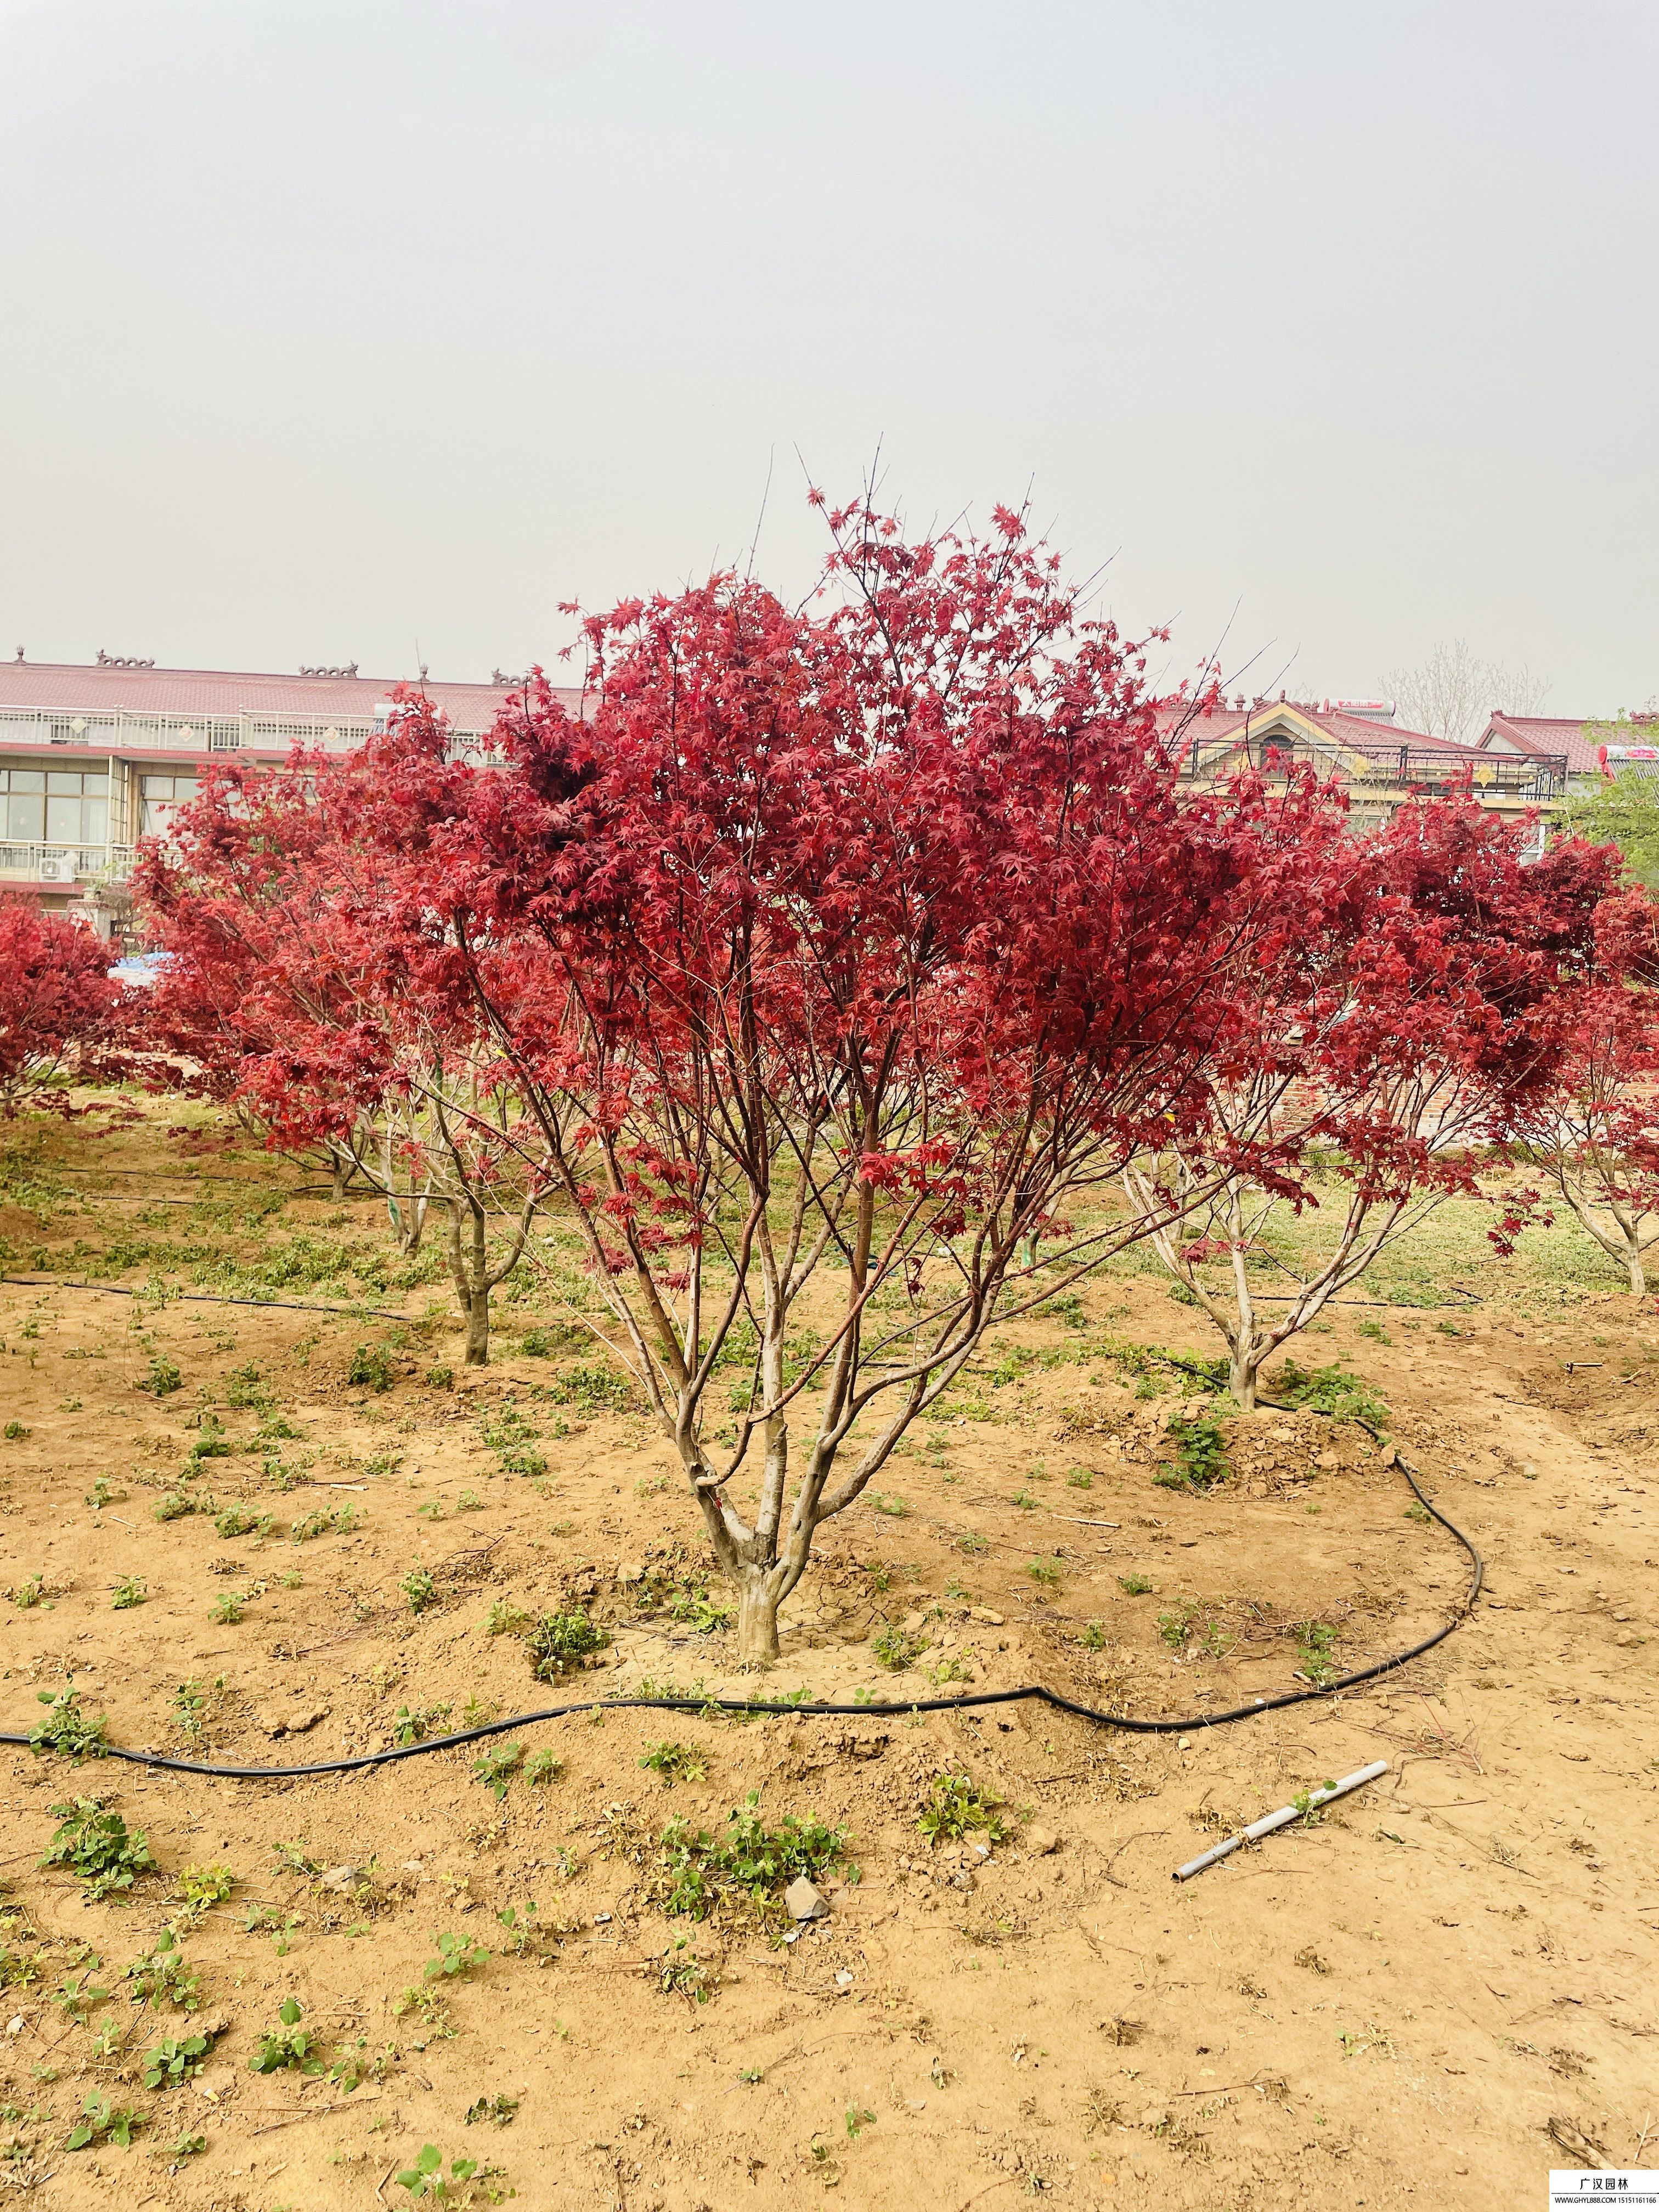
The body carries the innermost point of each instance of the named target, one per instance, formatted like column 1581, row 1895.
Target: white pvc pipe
column 1281, row 1819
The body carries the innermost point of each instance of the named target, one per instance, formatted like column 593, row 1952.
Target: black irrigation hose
column 205, row 1299
column 759, row 1706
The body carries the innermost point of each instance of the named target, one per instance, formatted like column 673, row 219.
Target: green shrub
column 593, row 1388
column 439, row 1378
column 169, row 2063
column 675, row 1762
column 237, row 1521
column 497, row 1766
column 162, row 1377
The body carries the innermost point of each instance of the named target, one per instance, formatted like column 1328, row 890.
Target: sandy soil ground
column 1430, row 1995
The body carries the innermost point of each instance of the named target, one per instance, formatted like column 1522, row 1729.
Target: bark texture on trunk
column 759, row 1594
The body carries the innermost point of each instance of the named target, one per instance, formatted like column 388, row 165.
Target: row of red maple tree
column 842, row 979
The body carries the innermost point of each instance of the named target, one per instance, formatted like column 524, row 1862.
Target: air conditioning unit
column 58, row 867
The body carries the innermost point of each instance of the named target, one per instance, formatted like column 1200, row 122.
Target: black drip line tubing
column 747, row 1707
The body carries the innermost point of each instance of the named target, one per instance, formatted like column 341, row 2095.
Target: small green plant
column 419, row 1588
column 29, row 1592
column 498, row 2110
column 414, row 1723
column 237, row 1521
column 1329, row 1390
column 175, row 1504
column 168, row 2064
column 339, row 1520
column 439, row 1378
column 64, row 1727
column 1312, row 1814
column 700, row 1612
column 14, row 1432
column 469, row 1501
column 675, row 1762
column 496, row 1767
column 164, row 1977
column 1045, row 1572
column 202, row 1887
column 560, row 1642
column 456, row 1955
column 1315, row 1642
column 104, row 1492
column 685, row 1977
column 956, row 1808
column 1201, row 1453
column 1135, row 1585
column 371, row 1367
column 895, row 1508
column 287, row 2047
column 1094, row 1637
column 858, row 2117
column 542, row 1766
column 1175, row 1627
column 425, row 2178
column 184, row 2146
column 94, row 1843
column 101, row 2122
column 132, row 1591
column 750, row 1860
column 1375, row 1330
column 227, row 1609
column 1081, row 1478
column 894, row 1650
column 504, row 1617
column 1025, row 1502
column 1417, row 1512
column 162, row 1377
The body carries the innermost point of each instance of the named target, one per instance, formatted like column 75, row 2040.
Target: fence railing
column 115, row 730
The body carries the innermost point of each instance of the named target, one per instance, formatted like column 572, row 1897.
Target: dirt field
column 1432, row 1994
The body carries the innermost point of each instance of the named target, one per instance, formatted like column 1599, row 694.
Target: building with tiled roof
column 1582, row 742
column 93, row 758
column 1358, row 746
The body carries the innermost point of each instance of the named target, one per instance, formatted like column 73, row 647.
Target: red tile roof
column 70, row 687
column 1545, row 733
column 1357, row 730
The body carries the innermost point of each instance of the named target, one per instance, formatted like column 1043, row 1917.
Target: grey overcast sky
column 328, row 325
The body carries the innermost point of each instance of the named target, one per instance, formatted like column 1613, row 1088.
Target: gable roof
column 1544, row 733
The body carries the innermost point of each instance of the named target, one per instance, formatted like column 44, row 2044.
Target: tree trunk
column 1639, row 1273
column 759, row 1594
column 1243, row 1369
column 477, row 1328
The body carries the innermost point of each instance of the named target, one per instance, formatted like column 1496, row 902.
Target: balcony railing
column 38, row 861
column 1514, row 775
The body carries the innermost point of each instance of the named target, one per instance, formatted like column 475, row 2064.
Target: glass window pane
column 63, row 820
column 27, row 778
column 94, row 784
column 158, row 786
column 64, row 780
column 25, row 816
column 95, row 818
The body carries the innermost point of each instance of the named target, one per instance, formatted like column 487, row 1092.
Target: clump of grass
column 559, row 1643
column 675, row 1762
column 161, row 1378
column 419, row 1589
column 92, row 1841
column 956, row 1808
column 894, row 1650
column 64, row 1727
column 1332, row 1390
column 1201, row 1453
column 288, row 2047
column 371, row 1367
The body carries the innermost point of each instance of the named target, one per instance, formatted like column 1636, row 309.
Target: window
column 158, row 796
column 61, row 806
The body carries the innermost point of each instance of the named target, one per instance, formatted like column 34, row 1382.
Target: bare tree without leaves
column 1451, row 694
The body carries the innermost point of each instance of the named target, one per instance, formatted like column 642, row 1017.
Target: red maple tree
column 58, row 1007
column 1429, row 1017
